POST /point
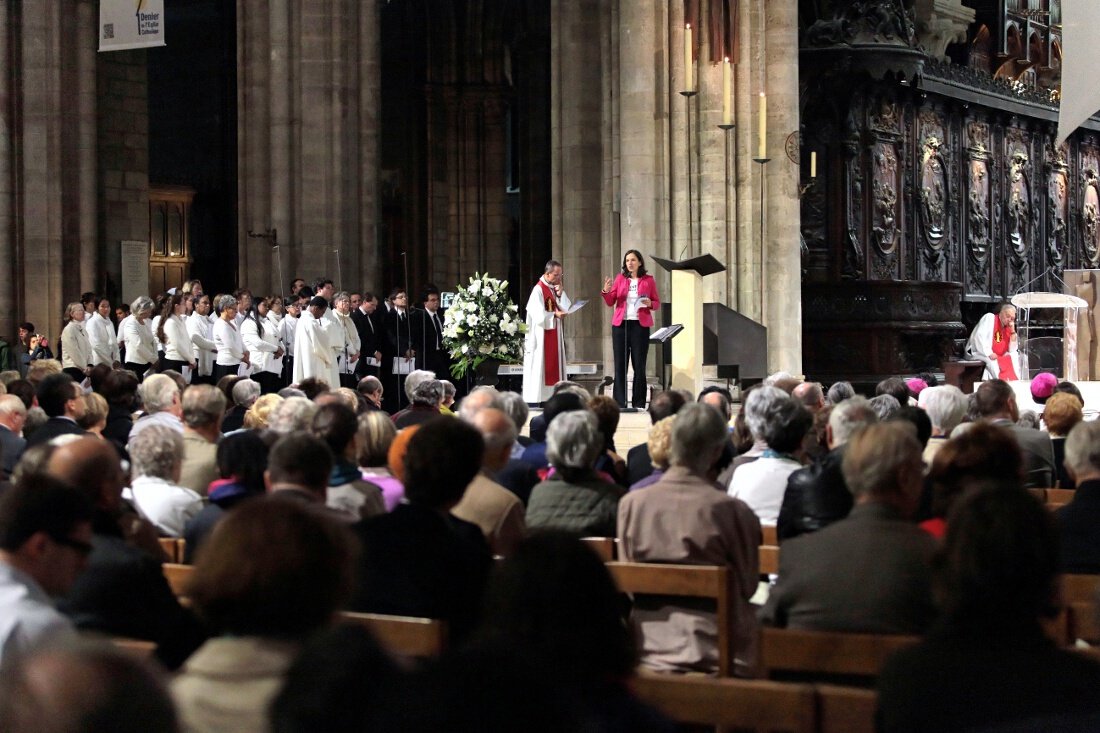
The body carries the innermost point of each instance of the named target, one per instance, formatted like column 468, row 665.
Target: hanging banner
column 1080, row 57
column 126, row 24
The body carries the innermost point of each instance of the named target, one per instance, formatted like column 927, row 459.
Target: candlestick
column 689, row 82
column 762, row 146
column 727, row 112
column 813, row 164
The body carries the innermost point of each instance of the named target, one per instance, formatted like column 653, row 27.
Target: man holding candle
column 544, row 350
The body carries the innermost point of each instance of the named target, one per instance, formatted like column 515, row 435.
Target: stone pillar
column 9, row 317
column 307, row 138
column 576, row 116
column 782, row 257
column 123, row 154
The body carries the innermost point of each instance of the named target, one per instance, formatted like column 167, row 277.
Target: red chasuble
column 1001, row 340
column 550, row 358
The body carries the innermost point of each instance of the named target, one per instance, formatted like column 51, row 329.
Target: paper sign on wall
column 126, row 24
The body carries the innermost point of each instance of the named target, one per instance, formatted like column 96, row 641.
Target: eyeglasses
column 82, row 548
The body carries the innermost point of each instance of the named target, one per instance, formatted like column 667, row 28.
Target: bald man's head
column 499, row 433
column 479, row 399
column 91, row 465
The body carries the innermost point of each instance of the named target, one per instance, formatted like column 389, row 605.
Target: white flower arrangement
column 482, row 323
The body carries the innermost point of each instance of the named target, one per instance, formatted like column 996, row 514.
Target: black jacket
column 816, row 496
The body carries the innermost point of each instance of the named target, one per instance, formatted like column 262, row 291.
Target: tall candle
column 813, row 164
column 762, row 146
column 688, row 81
column 727, row 113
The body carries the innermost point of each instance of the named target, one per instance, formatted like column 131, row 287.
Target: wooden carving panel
column 887, row 224
column 1089, row 227
column 1018, row 212
column 979, row 233
column 1057, row 203
column 935, row 232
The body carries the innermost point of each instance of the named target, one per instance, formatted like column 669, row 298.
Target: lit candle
column 813, row 164
column 688, row 85
column 762, row 146
column 727, row 113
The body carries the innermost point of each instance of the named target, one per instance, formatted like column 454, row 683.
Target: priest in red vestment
column 994, row 342
column 544, row 348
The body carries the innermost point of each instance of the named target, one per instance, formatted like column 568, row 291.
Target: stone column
column 782, row 258
column 307, row 137
column 8, row 287
column 576, row 111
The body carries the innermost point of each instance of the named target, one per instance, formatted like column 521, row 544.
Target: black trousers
column 630, row 339
column 269, row 382
column 78, row 375
column 138, row 369
column 223, row 370
column 174, row 365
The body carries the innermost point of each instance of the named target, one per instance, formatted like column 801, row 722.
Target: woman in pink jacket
column 634, row 297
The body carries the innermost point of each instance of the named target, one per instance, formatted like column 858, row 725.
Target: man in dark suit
column 12, row 415
column 427, row 334
column 1077, row 521
column 372, row 332
column 60, row 398
column 398, row 343
column 871, row 571
column 996, row 402
column 123, row 591
column 638, row 464
column 420, row 560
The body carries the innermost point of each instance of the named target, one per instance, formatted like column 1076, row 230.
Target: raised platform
column 1089, row 390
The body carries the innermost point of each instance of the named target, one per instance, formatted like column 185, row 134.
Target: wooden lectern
column 687, row 309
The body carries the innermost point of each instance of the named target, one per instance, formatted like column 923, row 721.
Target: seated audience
column 817, row 495
column 896, row 388
column 94, row 419
column 685, row 519
column 498, row 512
column 918, row 418
column 241, row 461
column 761, row 483
column 513, row 405
column 885, row 405
column 425, row 394
column 120, row 390
column 272, row 573
column 1078, row 520
column 1042, row 387
column 81, row 686
column 298, row 469
column 759, row 403
column 657, row 448
column 983, row 453
column 256, row 416
column 558, row 404
column 995, row 402
column 420, row 560
column 61, row 399
column 203, row 408
column 1062, row 413
column 574, row 498
column 370, row 387
column 45, row 539
column 13, row 413
column 608, row 413
column 869, row 572
column 638, row 464
column 946, row 407
column 123, row 591
column 161, row 400
column 245, row 392
column 839, row 391
column 555, row 600
column 988, row 662
column 375, row 436
column 336, row 685
column 347, row 493
column 156, row 455
column 1071, row 388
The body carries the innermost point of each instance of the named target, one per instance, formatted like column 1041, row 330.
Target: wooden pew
column 740, row 704
column 406, row 636
column 769, row 560
column 178, row 576
column 845, row 709
column 1080, row 588
column 170, row 545
column 827, row 654
column 1059, row 496
column 770, row 535
column 137, row 647
column 1082, row 622
column 691, row 581
column 605, row 547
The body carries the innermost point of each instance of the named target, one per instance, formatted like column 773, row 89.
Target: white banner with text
column 126, row 24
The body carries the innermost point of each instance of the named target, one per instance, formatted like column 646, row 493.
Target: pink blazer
column 647, row 288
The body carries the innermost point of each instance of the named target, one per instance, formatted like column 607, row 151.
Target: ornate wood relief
column 1057, row 245
column 1090, row 216
column 978, row 212
column 934, row 215
column 853, row 259
column 886, row 220
column 1018, row 209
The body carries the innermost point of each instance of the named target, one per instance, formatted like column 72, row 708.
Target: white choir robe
column 539, row 321
column 980, row 346
column 313, row 352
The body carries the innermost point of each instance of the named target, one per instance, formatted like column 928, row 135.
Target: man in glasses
column 45, row 540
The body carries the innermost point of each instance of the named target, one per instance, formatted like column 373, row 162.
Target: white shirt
column 632, row 300
column 228, row 342
column 76, row 350
column 202, row 342
column 177, row 345
column 164, row 504
column 287, row 327
column 102, row 337
column 761, row 484
column 261, row 349
column 154, row 324
column 140, row 348
column 27, row 616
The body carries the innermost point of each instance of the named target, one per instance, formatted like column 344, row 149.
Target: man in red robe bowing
column 994, row 342
column 544, row 348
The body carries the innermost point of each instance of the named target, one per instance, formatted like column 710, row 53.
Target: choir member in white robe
column 314, row 355
column 544, row 347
